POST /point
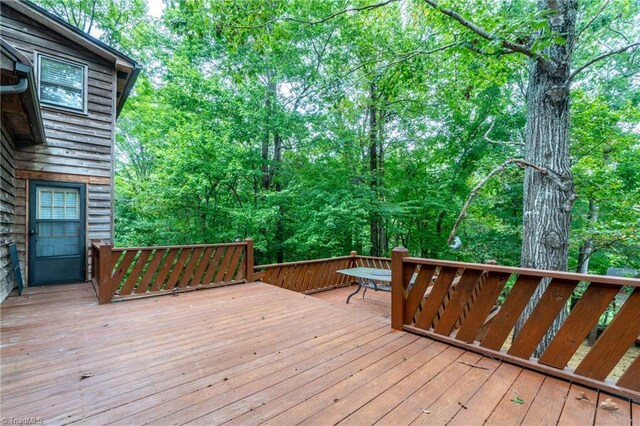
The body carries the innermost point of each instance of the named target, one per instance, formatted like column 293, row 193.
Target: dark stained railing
column 463, row 304
column 121, row 273
column 311, row 276
column 307, row 276
column 456, row 303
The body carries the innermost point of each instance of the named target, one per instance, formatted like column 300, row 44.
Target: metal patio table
column 367, row 277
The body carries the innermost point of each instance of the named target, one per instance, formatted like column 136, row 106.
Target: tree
column 549, row 191
column 318, row 127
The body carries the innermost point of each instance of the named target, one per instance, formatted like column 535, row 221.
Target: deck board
column 252, row 354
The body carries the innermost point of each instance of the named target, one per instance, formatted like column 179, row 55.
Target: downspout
column 21, row 87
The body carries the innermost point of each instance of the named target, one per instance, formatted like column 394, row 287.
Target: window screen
column 62, row 83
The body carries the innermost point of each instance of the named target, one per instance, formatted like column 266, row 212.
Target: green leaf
column 517, row 400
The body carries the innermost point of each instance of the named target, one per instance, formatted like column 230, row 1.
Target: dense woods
column 319, row 127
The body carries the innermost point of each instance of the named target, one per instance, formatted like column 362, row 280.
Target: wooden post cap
column 400, row 249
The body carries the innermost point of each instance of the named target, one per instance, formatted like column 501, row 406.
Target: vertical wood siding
column 76, row 144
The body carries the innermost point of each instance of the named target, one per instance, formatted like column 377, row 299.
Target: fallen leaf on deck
column 426, row 411
column 582, row 397
column 517, row 400
column 85, row 376
column 608, row 404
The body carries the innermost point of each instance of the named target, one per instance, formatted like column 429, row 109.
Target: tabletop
column 368, row 273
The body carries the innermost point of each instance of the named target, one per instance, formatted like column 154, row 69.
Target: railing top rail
column 604, row 279
column 373, row 257
column 120, row 249
column 301, row 262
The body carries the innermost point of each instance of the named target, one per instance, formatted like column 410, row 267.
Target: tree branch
column 347, row 10
column 601, row 57
column 93, row 14
column 515, row 47
column 486, row 137
column 484, row 52
column 602, row 247
column 518, row 161
column 411, row 55
column 321, row 20
column 593, row 18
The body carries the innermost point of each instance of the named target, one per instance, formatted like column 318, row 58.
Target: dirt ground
column 626, row 360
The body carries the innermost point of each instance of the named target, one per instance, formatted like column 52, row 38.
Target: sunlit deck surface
column 254, row 353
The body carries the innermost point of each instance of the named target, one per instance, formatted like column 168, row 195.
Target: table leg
column 355, row 292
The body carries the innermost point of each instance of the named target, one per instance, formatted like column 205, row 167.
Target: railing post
column 354, row 264
column 398, row 305
column 249, row 260
column 354, row 259
column 105, row 292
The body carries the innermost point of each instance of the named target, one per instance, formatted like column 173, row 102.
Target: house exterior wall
column 79, row 147
column 7, row 210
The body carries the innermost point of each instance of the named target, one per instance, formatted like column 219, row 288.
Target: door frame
column 31, row 204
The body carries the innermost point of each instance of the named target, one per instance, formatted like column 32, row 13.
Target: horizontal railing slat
column 633, row 282
column 193, row 246
column 301, row 262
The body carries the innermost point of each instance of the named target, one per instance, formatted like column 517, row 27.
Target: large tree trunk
column 548, row 198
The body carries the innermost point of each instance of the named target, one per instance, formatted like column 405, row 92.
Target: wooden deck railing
column 463, row 312
column 311, row 276
column 307, row 276
column 121, row 273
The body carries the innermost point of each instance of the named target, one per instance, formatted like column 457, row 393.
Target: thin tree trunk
column 383, row 240
column 266, row 176
column 583, row 259
column 548, row 199
column 277, row 159
column 374, row 216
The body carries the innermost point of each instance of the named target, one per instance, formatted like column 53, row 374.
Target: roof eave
column 133, row 76
column 24, row 69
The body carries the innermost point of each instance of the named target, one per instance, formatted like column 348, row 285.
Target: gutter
column 127, row 88
column 22, row 85
column 26, row 88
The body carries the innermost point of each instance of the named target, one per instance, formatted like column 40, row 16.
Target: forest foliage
column 318, row 127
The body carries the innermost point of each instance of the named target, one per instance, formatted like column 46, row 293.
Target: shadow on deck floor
column 254, row 353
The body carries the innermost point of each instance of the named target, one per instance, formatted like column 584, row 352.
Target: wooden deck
column 254, row 353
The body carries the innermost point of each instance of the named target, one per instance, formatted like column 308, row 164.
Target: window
column 58, row 203
column 58, row 212
column 62, row 83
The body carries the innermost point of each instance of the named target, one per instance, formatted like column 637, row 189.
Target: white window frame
column 85, row 83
